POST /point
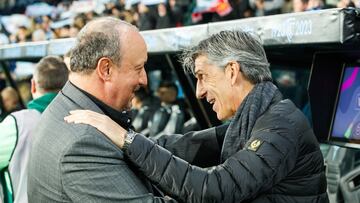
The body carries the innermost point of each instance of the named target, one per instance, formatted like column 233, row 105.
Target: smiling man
column 75, row 163
column 269, row 152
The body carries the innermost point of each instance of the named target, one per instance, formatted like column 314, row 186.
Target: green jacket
column 9, row 137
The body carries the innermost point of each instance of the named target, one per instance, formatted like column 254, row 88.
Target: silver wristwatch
column 130, row 136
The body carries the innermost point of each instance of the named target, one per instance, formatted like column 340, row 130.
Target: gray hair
column 99, row 38
column 226, row 46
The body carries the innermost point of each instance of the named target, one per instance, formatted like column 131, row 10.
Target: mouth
column 211, row 101
column 137, row 88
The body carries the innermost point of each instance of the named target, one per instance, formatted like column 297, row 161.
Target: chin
column 220, row 117
column 223, row 117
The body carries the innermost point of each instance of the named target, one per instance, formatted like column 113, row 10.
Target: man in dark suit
column 76, row 163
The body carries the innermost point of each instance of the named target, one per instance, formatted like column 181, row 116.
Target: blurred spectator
column 287, row 6
column 38, row 35
column 315, row 5
column 167, row 93
column 300, row 5
column 163, row 19
column 45, row 22
column 73, row 31
column 212, row 10
column 176, row 13
column 240, row 9
column 345, row 4
column 266, row 7
column 24, row 88
column 22, row 35
column 146, row 22
column 11, row 99
column 65, row 31
column 169, row 118
column 80, row 21
column 144, row 106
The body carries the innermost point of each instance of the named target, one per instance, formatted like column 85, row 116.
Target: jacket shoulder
column 283, row 115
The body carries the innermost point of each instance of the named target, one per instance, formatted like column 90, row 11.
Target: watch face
column 130, row 136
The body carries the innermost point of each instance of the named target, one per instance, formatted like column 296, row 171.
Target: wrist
column 128, row 139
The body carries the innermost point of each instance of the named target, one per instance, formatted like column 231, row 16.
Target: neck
column 241, row 92
column 40, row 94
column 87, row 83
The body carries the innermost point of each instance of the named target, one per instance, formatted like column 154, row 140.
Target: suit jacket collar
column 79, row 98
column 87, row 101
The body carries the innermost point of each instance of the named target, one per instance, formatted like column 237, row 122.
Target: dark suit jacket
column 76, row 162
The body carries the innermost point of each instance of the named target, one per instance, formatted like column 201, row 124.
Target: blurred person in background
column 73, row 31
column 266, row 7
column 11, row 99
column 315, row 5
column 22, row 35
column 24, row 88
column 17, row 128
column 169, row 118
column 300, row 5
column 163, row 19
column 269, row 152
column 39, row 33
column 79, row 21
column 176, row 12
column 167, row 93
column 144, row 21
column 345, row 4
column 144, row 106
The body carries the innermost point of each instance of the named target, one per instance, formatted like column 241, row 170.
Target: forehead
column 201, row 63
column 134, row 48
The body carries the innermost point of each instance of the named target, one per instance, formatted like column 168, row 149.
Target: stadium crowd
column 39, row 20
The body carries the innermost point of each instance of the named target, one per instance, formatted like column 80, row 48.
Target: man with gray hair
column 269, row 152
column 76, row 163
column 49, row 77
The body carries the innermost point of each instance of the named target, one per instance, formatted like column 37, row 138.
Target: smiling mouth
column 211, row 101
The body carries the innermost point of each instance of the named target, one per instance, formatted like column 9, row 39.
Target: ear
column 103, row 68
column 33, row 86
column 233, row 71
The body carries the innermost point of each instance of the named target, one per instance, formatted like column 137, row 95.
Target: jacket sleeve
column 93, row 170
column 242, row 176
column 8, row 137
column 201, row 148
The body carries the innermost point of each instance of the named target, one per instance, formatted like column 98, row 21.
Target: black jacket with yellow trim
column 281, row 162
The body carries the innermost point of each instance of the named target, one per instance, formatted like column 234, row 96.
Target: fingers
column 102, row 122
column 85, row 117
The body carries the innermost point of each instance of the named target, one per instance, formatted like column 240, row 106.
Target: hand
column 102, row 122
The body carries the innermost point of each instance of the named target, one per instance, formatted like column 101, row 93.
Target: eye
column 139, row 68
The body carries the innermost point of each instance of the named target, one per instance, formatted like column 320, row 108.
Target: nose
column 200, row 91
column 143, row 78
